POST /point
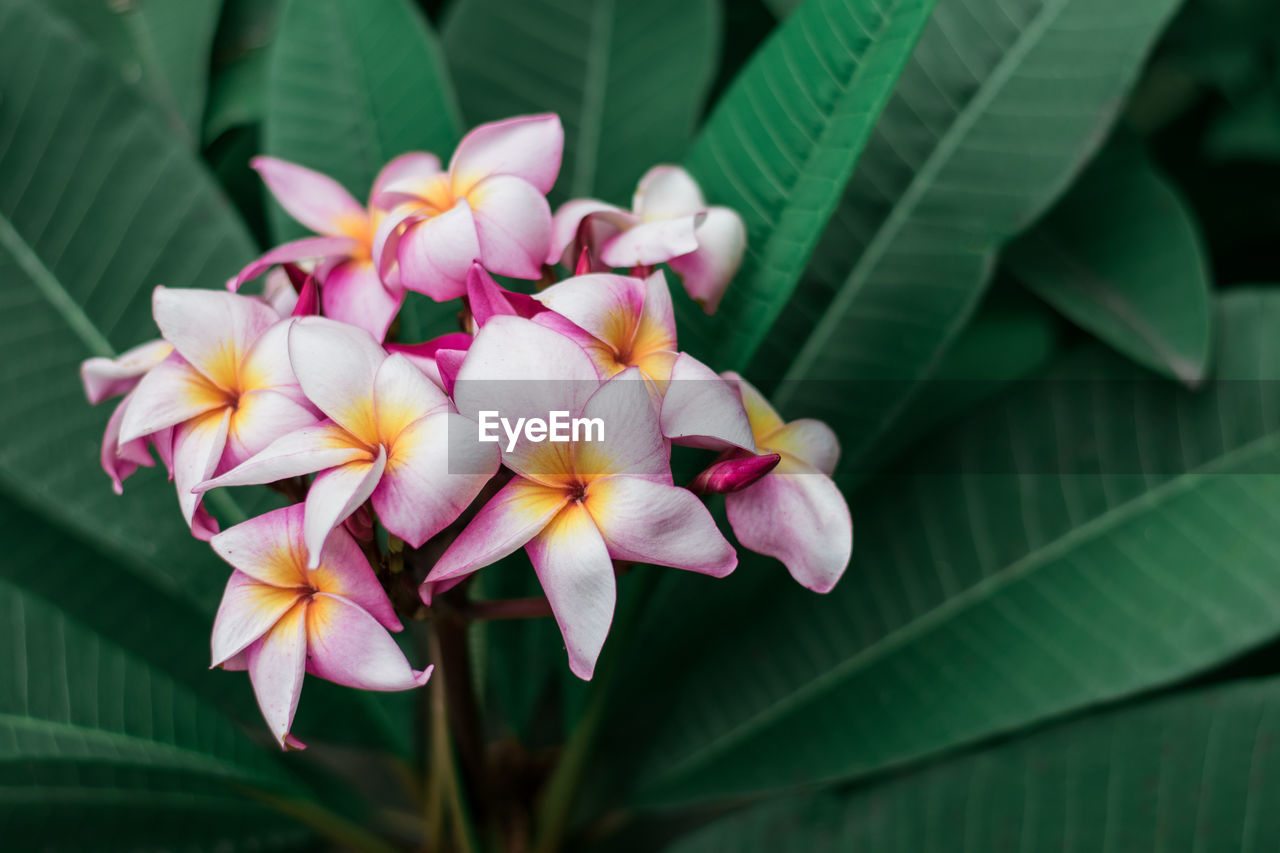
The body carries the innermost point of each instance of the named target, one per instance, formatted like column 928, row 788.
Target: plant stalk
column 460, row 695
column 444, row 784
column 536, row 607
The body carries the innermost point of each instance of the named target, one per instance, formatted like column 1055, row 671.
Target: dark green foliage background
column 1051, row 223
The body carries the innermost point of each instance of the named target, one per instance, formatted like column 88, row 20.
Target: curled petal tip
column 289, row 743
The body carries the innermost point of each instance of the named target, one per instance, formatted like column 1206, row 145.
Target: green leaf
column 525, row 656
column 240, row 53
column 627, row 79
column 98, row 205
column 1122, row 257
column 160, row 45
column 1095, row 534
column 1225, row 45
column 351, row 85
column 1194, row 771
column 781, row 145
column 999, row 107
column 1250, row 131
column 87, row 725
column 1010, row 338
column 61, row 808
column 782, row 8
column 140, row 619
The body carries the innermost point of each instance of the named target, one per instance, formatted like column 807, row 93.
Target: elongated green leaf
column 84, row 722
column 781, row 145
column 98, row 205
column 782, row 8
column 1010, row 338
column 1122, row 257
column 627, row 79
column 524, row 657
column 240, row 52
column 63, row 808
column 1250, row 131
column 999, row 106
column 1192, row 772
column 1095, row 534
column 161, row 45
column 351, row 85
column 142, row 620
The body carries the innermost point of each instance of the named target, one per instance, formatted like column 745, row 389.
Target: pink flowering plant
column 396, row 496
column 481, row 396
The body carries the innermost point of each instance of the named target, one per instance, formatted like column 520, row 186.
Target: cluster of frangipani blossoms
column 300, row 388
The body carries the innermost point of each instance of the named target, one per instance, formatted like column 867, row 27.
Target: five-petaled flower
column 669, row 222
column 795, row 512
column 352, row 289
column 279, row 619
column 391, row 437
column 623, row 322
column 227, row 390
column 489, row 206
column 576, row 507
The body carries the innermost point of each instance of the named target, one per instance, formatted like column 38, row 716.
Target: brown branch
column 535, row 607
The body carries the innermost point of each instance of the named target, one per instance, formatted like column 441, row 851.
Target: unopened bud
column 734, row 474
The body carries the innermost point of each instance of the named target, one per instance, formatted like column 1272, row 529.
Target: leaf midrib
column 62, row 302
column 764, row 258
column 127, row 749
column 985, row 589
column 52, row 289
column 60, row 299
column 359, row 71
column 921, row 183
column 600, row 35
column 139, row 29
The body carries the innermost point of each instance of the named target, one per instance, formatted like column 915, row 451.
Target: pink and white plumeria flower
column 110, row 377
column 577, row 506
column 669, row 222
column 227, row 390
column 623, row 322
column 391, row 437
column 794, row 512
column 489, row 206
column 279, row 619
column 351, row 288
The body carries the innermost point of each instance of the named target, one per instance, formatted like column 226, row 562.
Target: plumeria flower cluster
column 381, row 445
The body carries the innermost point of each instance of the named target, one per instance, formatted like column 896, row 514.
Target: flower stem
column 444, row 784
column 462, row 708
column 535, row 607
